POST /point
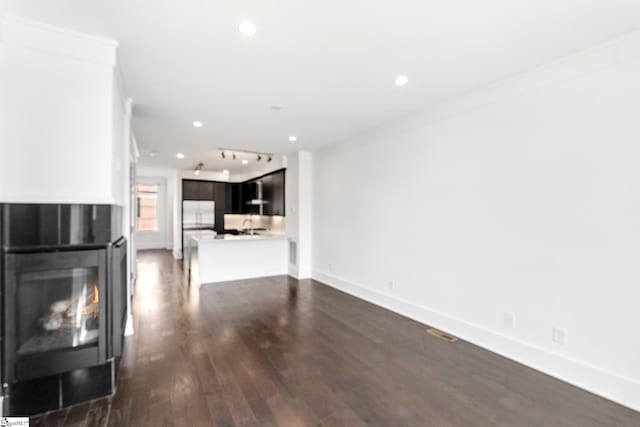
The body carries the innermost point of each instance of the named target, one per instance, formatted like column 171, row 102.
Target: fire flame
column 91, row 308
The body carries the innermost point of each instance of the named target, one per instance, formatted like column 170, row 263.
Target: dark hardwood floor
column 278, row 352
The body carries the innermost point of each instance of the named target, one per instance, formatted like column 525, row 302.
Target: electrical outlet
column 390, row 285
column 330, row 267
column 509, row 320
column 559, row 336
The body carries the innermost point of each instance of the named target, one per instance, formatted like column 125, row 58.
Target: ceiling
column 330, row 64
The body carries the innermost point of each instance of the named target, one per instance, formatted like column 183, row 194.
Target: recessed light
column 197, row 124
column 180, row 156
column 226, row 172
column 245, row 161
column 247, row 28
column 401, row 80
column 293, row 138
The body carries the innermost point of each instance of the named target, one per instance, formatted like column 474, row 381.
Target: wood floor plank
column 280, row 352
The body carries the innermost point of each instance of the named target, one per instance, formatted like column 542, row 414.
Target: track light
column 196, row 171
column 234, row 156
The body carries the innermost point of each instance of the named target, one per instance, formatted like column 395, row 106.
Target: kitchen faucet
column 250, row 222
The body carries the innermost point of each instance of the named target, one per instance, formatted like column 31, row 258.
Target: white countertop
column 234, row 238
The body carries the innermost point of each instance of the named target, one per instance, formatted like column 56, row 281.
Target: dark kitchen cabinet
column 267, row 194
column 197, row 190
column 250, row 193
column 238, row 196
column 273, row 193
column 276, row 204
column 220, row 199
column 234, row 199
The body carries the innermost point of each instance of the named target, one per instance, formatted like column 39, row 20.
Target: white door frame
column 155, row 239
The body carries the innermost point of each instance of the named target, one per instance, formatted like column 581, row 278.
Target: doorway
column 151, row 224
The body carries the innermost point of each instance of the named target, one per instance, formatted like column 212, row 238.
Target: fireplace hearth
column 64, row 274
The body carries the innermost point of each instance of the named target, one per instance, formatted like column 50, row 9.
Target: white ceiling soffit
column 330, row 65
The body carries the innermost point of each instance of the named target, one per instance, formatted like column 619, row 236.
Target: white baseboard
column 143, row 244
column 293, row 271
column 299, row 274
column 612, row 386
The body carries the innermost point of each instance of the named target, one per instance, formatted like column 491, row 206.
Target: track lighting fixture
column 259, row 155
column 196, row 171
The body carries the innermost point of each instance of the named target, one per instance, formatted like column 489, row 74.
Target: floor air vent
column 442, row 335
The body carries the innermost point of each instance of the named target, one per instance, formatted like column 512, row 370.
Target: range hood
column 259, row 201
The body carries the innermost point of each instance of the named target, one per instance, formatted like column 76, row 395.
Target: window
column 147, row 199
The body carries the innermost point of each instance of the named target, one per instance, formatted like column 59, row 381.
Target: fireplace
column 64, row 299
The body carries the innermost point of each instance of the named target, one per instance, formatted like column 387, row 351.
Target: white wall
column 304, row 214
column 61, row 141
column 523, row 197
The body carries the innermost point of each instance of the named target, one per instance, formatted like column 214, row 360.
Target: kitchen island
column 227, row 257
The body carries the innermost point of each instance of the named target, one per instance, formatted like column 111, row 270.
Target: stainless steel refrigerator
column 198, row 215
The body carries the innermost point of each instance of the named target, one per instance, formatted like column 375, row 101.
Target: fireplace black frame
column 117, row 276
column 45, row 237
column 19, row 368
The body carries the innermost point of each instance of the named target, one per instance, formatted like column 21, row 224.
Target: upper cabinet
column 240, row 195
column 220, row 197
column 197, row 190
column 273, row 193
column 236, row 197
column 235, row 201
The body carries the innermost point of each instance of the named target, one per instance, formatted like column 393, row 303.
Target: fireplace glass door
column 55, row 303
column 59, row 309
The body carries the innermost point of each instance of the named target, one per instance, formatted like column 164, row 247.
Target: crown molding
column 28, row 34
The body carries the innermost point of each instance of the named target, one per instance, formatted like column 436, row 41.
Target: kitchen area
column 234, row 230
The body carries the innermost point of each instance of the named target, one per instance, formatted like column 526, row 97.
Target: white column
column 304, row 214
column 298, row 205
